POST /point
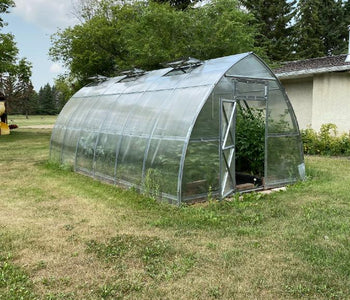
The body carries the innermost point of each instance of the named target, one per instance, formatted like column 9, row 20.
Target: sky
column 33, row 22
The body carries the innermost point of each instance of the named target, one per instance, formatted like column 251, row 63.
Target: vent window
column 132, row 75
column 181, row 67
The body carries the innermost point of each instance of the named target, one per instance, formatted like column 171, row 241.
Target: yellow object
column 2, row 108
column 4, row 129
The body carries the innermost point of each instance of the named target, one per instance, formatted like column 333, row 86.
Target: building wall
column 324, row 98
column 331, row 93
column 300, row 93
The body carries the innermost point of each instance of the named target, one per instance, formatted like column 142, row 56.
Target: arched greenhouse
column 196, row 127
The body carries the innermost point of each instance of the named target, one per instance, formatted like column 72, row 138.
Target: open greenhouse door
column 251, row 97
column 228, row 111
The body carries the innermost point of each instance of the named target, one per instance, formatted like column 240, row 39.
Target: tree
column 8, row 52
column 344, row 26
column 274, row 21
column 332, row 28
column 5, row 5
column 222, row 28
column 147, row 34
column 320, row 28
column 15, row 75
column 90, row 48
column 308, row 30
column 178, row 4
column 64, row 91
column 346, row 8
column 19, row 88
column 24, row 87
column 47, row 100
column 8, row 49
column 85, row 10
column 156, row 35
column 34, row 103
column 162, row 34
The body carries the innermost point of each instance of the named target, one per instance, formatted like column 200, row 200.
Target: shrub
column 326, row 141
column 250, row 141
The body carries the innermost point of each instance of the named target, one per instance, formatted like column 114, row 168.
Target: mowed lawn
column 32, row 121
column 66, row 236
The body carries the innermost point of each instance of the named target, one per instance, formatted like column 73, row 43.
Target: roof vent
column 133, row 72
column 96, row 80
column 183, row 66
column 131, row 75
column 190, row 62
column 347, row 59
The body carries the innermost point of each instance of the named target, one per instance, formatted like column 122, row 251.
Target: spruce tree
column 308, row 30
column 346, row 9
column 47, row 100
column 274, row 20
column 34, row 103
column 19, row 89
column 346, row 23
column 319, row 28
column 332, row 17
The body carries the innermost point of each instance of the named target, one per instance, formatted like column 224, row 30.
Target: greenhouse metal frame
column 182, row 133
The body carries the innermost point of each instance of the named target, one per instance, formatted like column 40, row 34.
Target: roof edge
column 311, row 72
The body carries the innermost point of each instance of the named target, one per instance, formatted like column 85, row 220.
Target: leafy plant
column 326, row 141
column 152, row 183
column 250, row 140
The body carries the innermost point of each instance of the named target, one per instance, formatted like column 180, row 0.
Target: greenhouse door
column 228, row 109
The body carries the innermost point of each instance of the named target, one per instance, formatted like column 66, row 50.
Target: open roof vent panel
column 183, row 66
column 131, row 75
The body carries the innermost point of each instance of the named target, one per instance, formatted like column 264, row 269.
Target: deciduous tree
column 147, row 34
column 178, row 4
column 8, row 48
column 5, row 5
column 64, row 90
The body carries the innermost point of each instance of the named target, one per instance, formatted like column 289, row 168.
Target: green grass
column 36, row 120
column 66, row 236
column 14, row 281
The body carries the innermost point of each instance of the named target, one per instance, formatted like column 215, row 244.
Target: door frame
column 228, row 112
column 229, row 165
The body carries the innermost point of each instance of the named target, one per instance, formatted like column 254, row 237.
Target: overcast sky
column 33, row 22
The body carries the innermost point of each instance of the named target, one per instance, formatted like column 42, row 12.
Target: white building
column 319, row 90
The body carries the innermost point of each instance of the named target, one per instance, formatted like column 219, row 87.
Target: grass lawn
column 66, row 236
column 36, row 120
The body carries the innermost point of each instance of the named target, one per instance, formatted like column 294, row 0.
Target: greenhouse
column 185, row 132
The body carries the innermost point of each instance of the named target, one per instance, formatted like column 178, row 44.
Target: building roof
column 309, row 67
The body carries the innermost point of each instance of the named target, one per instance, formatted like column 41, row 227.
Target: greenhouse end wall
column 163, row 132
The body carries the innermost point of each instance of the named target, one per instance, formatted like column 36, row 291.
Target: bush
column 326, row 141
column 250, row 141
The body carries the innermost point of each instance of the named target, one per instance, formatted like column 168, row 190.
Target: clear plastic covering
column 165, row 134
column 284, row 152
